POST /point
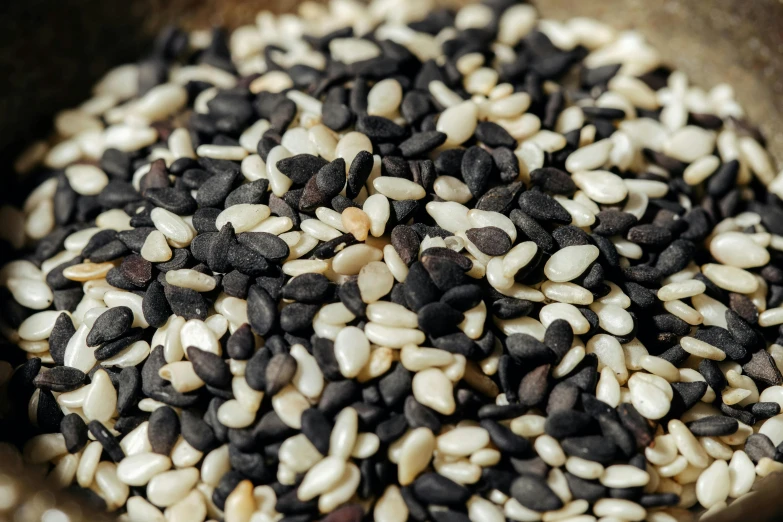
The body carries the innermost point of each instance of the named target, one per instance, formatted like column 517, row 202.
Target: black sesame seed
column 433, row 488
column 476, row 167
column 60, row 379
column 421, row 143
column 74, row 432
column 758, row 446
column 490, row 240
column 713, row 426
column 109, row 442
column 533, row 493
column 163, row 430
column 128, row 390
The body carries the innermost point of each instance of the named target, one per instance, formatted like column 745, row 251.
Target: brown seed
column 349, row 513
column 87, row 271
column 240, row 504
column 479, row 381
column 357, row 222
column 534, row 386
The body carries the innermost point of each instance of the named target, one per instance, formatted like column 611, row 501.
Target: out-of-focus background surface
column 52, row 51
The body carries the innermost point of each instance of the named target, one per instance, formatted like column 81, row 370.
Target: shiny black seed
column 210, row 368
column 675, row 355
column 527, row 349
column 433, row 488
column 163, row 430
column 553, row 180
column 419, row 287
column 582, row 489
column 418, row 415
column 261, row 310
column 636, row 424
column 533, row 493
column 241, row 344
column 301, row 168
column 74, row 432
column 421, row 143
column 62, row 331
column 194, row 178
column 155, row 306
column 255, row 373
column 174, row 200
column 567, row 423
column 494, row 135
column 112, row 348
column 358, row 172
column 268, row 245
column 713, row 375
column 110, row 325
column 67, row 300
column 558, row 337
column 218, row 249
column 614, row 430
column 395, row 385
column 438, row 318
column 329, row 249
column 109, row 442
column 323, row 351
column 476, row 167
column 463, row 297
column 724, row 179
column 391, row 429
column 415, row 105
column 591, row 447
column 129, row 389
column 675, row 257
column 508, row 442
column 335, row 114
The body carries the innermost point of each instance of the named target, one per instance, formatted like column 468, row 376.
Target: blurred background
column 51, row 52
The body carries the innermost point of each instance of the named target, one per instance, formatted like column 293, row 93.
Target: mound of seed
column 390, row 263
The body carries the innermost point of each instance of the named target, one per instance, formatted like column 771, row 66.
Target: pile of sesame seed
column 398, row 262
